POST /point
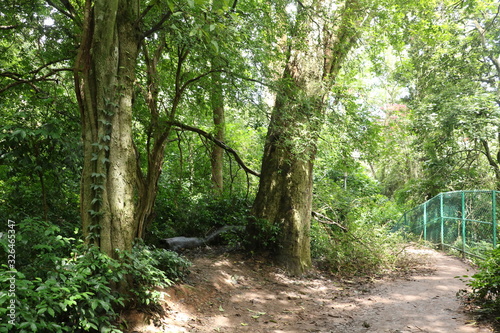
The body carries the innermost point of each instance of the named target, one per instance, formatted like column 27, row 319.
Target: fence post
column 425, row 220
column 441, row 215
column 464, row 216
column 494, row 217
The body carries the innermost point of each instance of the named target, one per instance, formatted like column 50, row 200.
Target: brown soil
column 231, row 293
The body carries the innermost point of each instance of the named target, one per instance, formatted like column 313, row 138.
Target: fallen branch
column 179, row 243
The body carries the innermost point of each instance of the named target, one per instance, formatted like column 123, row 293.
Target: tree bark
column 217, row 153
column 217, row 101
column 104, row 78
column 492, row 161
column 158, row 134
column 285, row 189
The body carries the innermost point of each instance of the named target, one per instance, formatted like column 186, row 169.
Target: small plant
column 261, row 236
column 485, row 284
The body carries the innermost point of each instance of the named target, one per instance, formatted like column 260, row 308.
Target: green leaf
column 51, row 311
column 19, row 134
column 216, row 45
column 171, row 5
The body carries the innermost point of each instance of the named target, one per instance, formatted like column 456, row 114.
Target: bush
column 39, row 247
column 363, row 243
column 74, row 295
column 159, row 264
column 261, row 236
column 485, row 284
column 62, row 286
column 362, row 250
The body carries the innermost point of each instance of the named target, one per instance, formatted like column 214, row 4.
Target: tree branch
column 8, row 27
column 158, row 25
column 246, row 78
column 218, row 143
column 326, row 220
column 482, row 37
column 70, row 12
column 487, row 153
column 18, row 80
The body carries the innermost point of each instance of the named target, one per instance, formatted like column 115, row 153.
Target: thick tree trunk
column 104, row 75
column 285, row 198
column 285, row 188
column 318, row 47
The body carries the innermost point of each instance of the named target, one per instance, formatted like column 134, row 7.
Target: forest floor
column 231, row 293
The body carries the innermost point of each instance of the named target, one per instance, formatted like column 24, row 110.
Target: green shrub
column 485, row 284
column 75, row 294
column 362, row 242
column 151, row 267
column 64, row 287
column 261, row 236
column 361, row 250
column 40, row 240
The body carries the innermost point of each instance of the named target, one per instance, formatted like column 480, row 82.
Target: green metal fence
column 462, row 220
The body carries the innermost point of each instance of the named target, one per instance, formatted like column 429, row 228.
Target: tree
column 39, row 146
column 121, row 172
column 321, row 35
column 454, row 97
column 217, row 103
column 104, row 82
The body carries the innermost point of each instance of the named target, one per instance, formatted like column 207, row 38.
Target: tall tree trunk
column 493, row 160
column 217, row 154
column 285, row 189
column 157, row 138
column 217, row 103
column 104, row 75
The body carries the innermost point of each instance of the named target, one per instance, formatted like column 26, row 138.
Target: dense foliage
column 62, row 285
column 410, row 111
column 485, row 286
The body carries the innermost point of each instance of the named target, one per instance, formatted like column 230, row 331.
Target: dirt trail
column 420, row 303
column 230, row 293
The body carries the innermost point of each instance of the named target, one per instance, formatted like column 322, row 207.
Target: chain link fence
column 462, row 220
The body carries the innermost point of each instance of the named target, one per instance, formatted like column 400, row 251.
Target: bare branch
column 245, row 78
column 18, row 80
column 8, row 27
column 218, row 143
column 326, row 220
column 158, row 25
column 70, row 11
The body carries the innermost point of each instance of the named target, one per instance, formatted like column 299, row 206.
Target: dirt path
column 420, row 303
column 230, row 293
